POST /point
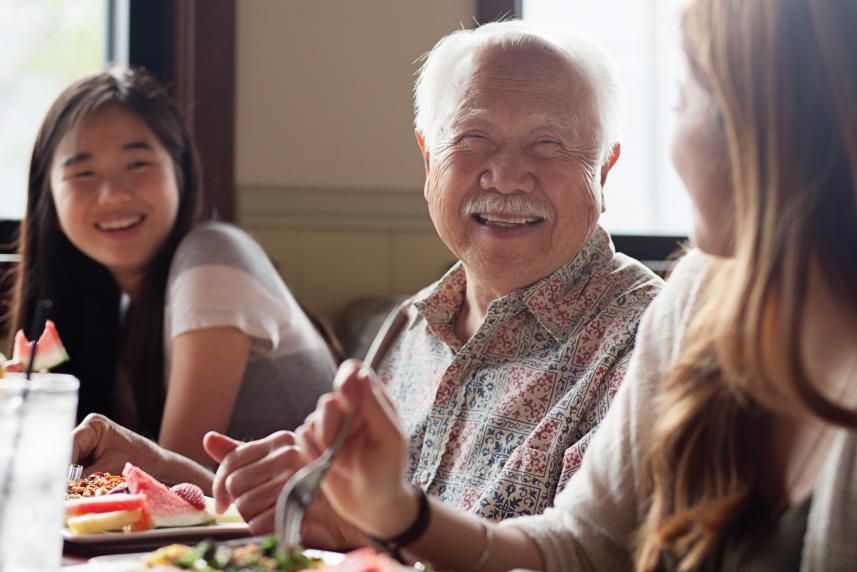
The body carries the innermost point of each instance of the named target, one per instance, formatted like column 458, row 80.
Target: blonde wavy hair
column 783, row 74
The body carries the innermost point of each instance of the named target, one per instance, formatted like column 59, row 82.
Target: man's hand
column 252, row 475
column 100, row 444
column 103, row 445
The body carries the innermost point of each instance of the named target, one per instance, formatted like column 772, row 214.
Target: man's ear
column 421, row 141
column 611, row 160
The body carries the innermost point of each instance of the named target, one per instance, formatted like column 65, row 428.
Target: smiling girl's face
column 115, row 190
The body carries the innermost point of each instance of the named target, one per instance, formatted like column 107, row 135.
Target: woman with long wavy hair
column 732, row 441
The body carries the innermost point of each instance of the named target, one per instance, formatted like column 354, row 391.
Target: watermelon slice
column 110, row 503
column 164, row 506
column 50, row 354
column 103, row 503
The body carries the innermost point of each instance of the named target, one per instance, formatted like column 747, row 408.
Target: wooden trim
column 493, row 10
column 204, row 84
column 293, row 208
column 190, row 46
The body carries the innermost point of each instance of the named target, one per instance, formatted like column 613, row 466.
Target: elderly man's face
column 513, row 181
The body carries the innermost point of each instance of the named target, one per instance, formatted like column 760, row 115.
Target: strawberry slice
column 190, row 493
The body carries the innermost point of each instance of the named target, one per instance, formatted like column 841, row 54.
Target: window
column 644, row 194
column 47, row 44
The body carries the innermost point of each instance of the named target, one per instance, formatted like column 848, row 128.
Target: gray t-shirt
column 220, row 277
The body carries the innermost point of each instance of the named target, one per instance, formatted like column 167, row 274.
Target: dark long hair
column 85, row 295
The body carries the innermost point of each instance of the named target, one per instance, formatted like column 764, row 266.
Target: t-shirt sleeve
column 592, row 524
column 221, row 278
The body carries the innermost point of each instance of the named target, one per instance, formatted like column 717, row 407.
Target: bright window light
column 46, row 45
column 644, row 194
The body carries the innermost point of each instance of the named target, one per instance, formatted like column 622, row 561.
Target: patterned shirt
column 497, row 425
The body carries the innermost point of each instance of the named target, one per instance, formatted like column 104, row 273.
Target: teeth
column 120, row 224
column 508, row 222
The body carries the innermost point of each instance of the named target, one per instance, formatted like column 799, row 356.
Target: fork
column 75, row 472
column 301, row 488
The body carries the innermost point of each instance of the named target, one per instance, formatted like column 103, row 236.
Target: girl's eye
column 137, row 165
column 83, row 174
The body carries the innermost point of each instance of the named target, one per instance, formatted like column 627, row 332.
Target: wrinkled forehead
column 533, row 78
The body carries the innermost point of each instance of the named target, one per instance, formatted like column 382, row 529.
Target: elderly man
column 509, row 361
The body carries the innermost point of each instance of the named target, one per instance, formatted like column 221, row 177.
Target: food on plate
column 165, row 507
column 143, row 503
column 210, row 556
column 104, row 521
column 94, row 485
column 104, row 503
column 50, row 354
column 231, row 514
column 190, row 493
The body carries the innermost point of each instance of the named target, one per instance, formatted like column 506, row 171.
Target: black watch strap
column 411, row 534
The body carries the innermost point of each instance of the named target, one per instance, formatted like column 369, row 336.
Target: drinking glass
column 35, row 447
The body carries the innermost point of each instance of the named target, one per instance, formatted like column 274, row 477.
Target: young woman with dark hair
column 174, row 327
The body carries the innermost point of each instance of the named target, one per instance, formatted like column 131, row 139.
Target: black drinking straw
column 42, row 307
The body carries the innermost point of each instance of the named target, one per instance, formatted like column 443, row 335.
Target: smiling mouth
column 120, row 223
column 510, row 222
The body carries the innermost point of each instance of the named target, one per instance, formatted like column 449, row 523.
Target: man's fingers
column 87, row 437
column 263, row 523
column 250, row 452
column 218, row 445
column 307, row 441
column 82, row 443
column 108, row 463
column 237, row 458
column 222, row 499
column 260, row 499
column 280, row 463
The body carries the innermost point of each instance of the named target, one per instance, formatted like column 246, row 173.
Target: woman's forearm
column 457, row 541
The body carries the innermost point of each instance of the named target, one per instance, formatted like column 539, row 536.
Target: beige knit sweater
column 596, row 515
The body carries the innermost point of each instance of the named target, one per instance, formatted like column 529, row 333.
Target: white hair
column 438, row 65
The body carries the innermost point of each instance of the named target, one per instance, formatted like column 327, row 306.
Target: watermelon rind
column 49, row 354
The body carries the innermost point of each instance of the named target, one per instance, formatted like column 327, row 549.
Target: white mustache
column 509, row 205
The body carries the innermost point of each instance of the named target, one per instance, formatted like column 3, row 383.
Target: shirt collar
column 550, row 300
column 557, row 300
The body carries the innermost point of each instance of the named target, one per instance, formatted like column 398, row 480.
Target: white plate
column 228, row 525
column 157, row 536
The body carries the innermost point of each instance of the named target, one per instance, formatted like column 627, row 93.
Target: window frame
column 650, row 248
column 190, row 47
